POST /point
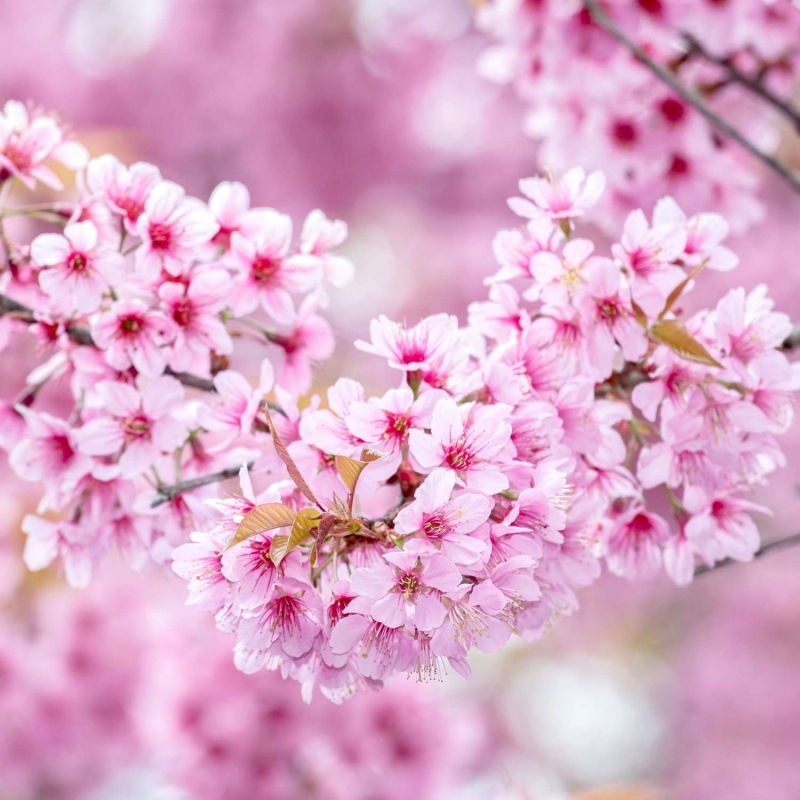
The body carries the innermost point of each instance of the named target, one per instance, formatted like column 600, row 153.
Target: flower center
column 160, row 236
column 265, row 268
column 137, row 426
column 77, row 262
column 409, row 585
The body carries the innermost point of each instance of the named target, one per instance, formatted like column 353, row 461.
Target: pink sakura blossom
column 238, row 403
column 473, row 620
column 528, row 253
column 75, row 266
column 404, row 591
column 72, row 544
column 195, row 309
column 563, row 198
column 27, row 140
column 308, row 341
column 444, row 523
column 48, row 451
column 285, row 628
column 200, row 563
column 634, row 544
column 721, row 526
column 501, row 316
column 748, row 326
column 413, row 348
column 132, row 336
column 608, row 314
column 229, row 204
column 171, row 227
column 319, row 236
column 267, row 274
column 465, row 441
column 140, row 425
column 385, row 424
column 648, row 254
column 125, row 189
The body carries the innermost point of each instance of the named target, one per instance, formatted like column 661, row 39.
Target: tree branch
column 167, row 493
column 82, row 335
column 735, row 75
column 723, row 126
column 778, row 544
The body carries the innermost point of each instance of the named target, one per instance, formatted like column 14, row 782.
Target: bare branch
column 754, row 85
column 769, row 547
column 723, row 126
column 82, row 335
column 167, row 493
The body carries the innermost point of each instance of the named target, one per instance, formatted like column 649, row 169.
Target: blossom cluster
column 137, row 298
column 591, row 102
column 579, row 417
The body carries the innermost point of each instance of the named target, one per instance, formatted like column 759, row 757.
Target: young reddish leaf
column 326, row 523
column 305, row 521
column 672, row 333
column 640, row 316
column 679, row 289
column 262, row 518
column 283, row 453
column 350, row 469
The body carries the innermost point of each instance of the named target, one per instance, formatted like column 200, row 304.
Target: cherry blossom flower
column 465, row 441
column 131, row 335
column 170, row 227
column 195, row 311
column 140, row 425
column 445, row 523
column 410, row 348
column 125, row 189
column 267, row 276
column 75, row 266
column 28, row 139
column 559, row 199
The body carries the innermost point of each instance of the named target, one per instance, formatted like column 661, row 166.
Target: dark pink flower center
column 137, row 426
column 183, row 312
column 160, row 236
column 265, row 268
column 435, row 526
column 78, row 263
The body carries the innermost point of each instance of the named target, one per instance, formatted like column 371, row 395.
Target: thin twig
column 604, row 21
column 778, row 544
column 757, row 87
column 167, row 493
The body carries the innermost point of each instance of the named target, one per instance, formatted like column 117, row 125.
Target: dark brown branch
column 723, row 126
column 82, row 335
column 792, row 341
column 167, row 493
column 778, row 544
column 753, row 85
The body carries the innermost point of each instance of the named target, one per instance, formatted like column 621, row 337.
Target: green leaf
column 305, row 522
column 283, row 453
column 674, row 335
column 263, row 518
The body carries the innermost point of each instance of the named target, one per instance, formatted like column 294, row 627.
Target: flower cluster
column 577, row 418
column 591, row 102
column 137, row 297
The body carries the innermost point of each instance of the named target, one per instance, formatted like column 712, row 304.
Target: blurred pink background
column 373, row 111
